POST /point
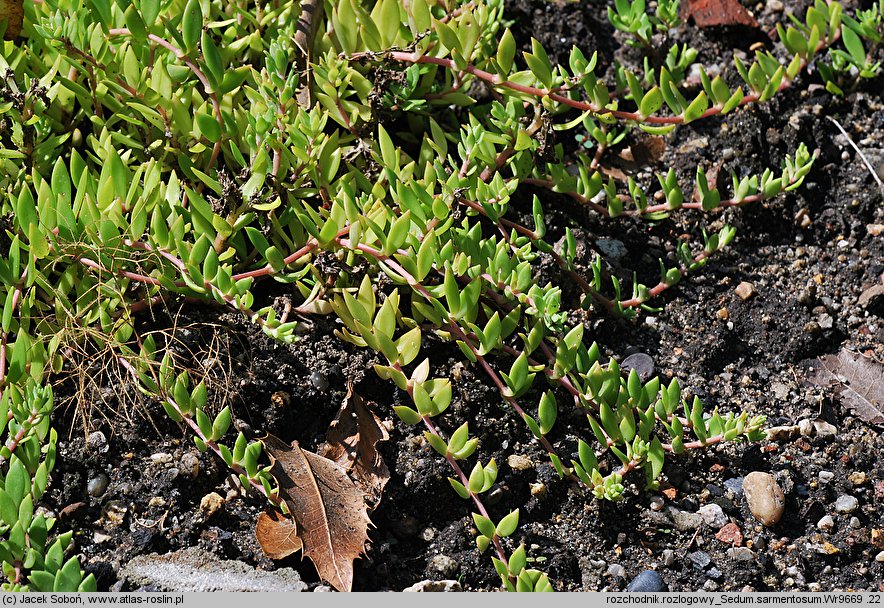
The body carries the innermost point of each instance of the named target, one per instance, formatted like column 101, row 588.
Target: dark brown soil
column 737, row 355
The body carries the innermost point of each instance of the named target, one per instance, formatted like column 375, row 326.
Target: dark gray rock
column 648, row 581
column 642, row 364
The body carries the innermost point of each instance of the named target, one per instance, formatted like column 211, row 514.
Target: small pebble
column 826, row 476
column 444, row 565
column 745, row 290
column 538, row 489
column 612, row 248
column 668, row 557
column 782, row 433
column 642, row 364
column 855, row 523
column 99, row 537
column 156, row 501
column 161, row 458
column 846, row 504
column 730, row 534
column 190, row 465
column 657, row 503
column 710, row 586
column 319, row 380
column 805, row 427
column 700, row 559
column 428, row 534
column 648, row 581
column 858, row 478
column 741, row 554
column 765, row 497
column 824, row 429
column 713, row 515
column 97, row 442
column 97, row 485
column 518, row 462
column 616, row 571
column 880, row 557
column 734, row 485
column 826, row 524
column 433, row 586
column 210, row 504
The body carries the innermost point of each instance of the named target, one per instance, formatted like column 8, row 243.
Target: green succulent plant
column 155, row 150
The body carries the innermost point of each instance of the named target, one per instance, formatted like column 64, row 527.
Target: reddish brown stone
column 730, row 533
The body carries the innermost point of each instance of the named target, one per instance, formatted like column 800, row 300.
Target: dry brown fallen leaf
column 13, row 11
column 277, row 535
column 858, row 382
column 351, row 441
column 327, row 505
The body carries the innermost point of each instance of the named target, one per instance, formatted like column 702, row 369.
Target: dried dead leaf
column 858, row 382
column 351, row 442
column 12, row 11
column 328, row 507
column 645, row 151
column 277, row 535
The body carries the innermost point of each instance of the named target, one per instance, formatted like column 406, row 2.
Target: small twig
column 861, row 155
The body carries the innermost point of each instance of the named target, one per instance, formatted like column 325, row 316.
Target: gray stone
column 826, row 476
column 444, row 565
column 611, row 248
column 700, row 559
column 734, row 485
column 741, row 554
column 195, row 570
column 97, row 442
column 616, row 571
column 648, row 581
column 319, row 380
column 780, row 390
column 668, row 557
column 880, row 557
column 824, row 429
column 434, row 587
column 846, row 503
column 713, row 515
column 683, row 520
column 97, row 485
column 642, row 364
column 826, row 524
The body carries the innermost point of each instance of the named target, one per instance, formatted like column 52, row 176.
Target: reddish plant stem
column 583, row 106
column 4, row 337
column 455, row 329
column 452, row 462
column 213, row 445
column 207, row 87
column 125, row 85
column 12, row 444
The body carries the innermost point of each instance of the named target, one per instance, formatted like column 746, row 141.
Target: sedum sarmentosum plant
column 160, row 150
